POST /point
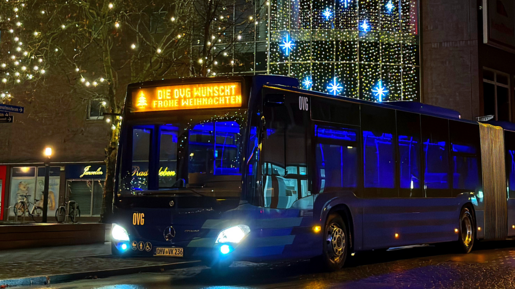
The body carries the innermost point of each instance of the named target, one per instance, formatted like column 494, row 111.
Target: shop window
column 378, row 126
column 87, row 194
column 408, row 130
column 496, row 96
column 436, row 156
column 96, row 109
column 29, row 182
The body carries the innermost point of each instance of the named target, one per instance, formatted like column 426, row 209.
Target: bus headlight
column 119, row 233
column 233, row 234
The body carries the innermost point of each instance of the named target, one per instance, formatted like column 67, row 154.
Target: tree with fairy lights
column 96, row 48
column 220, row 26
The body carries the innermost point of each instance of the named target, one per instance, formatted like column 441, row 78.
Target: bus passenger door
column 284, row 165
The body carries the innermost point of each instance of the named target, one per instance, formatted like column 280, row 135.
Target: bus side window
column 336, row 158
column 408, row 135
column 465, row 157
column 378, row 125
column 509, row 140
column 435, row 137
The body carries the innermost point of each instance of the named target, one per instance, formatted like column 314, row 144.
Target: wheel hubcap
column 466, row 230
column 336, row 242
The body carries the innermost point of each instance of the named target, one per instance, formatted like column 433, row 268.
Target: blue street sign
column 4, row 113
column 6, row 119
column 11, row 108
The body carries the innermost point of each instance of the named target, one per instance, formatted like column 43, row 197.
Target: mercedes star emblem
column 172, row 203
column 169, row 233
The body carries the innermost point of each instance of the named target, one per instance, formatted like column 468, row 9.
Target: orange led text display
column 192, row 96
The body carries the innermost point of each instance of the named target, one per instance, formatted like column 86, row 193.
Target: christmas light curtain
column 367, row 49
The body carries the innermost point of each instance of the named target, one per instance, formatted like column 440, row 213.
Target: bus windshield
column 202, row 153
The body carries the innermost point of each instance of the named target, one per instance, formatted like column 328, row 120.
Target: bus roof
column 409, row 106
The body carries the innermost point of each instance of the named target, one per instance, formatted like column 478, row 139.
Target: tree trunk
column 108, row 196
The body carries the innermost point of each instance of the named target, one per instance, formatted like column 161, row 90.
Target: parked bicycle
column 22, row 207
column 70, row 210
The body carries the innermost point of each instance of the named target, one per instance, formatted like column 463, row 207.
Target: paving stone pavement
column 22, row 269
column 66, row 259
column 51, row 253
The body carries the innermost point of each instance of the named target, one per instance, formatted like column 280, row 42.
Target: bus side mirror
column 272, row 100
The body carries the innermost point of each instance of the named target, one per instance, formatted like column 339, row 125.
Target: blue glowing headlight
column 225, row 249
column 233, row 234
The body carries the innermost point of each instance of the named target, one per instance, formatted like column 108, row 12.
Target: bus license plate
column 169, row 252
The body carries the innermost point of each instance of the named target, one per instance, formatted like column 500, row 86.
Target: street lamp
column 48, row 154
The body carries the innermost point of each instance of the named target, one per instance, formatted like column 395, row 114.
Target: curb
column 61, row 278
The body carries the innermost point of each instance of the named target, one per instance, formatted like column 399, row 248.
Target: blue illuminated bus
column 257, row 169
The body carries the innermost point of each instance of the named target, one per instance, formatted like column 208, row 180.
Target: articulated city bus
column 256, row 169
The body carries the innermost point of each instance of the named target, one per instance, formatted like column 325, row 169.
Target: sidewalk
column 65, row 263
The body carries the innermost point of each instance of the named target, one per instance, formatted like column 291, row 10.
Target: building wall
column 496, row 59
column 55, row 116
column 450, row 65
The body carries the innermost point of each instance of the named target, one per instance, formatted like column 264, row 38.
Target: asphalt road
column 490, row 265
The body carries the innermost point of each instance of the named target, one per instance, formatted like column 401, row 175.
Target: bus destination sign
column 190, row 96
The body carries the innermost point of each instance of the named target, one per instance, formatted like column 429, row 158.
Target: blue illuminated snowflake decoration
column 327, row 13
column 307, row 82
column 389, row 6
column 334, row 87
column 365, row 27
column 380, row 91
column 287, row 45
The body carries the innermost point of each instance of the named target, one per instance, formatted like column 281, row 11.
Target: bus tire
column 335, row 244
column 467, row 232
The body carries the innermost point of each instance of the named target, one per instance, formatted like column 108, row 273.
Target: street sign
column 4, row 114
column 11, row 108
column 6, row 119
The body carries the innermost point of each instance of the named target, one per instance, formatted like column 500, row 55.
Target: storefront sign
column 87, row 172
column 93, row 171
column 192, row 96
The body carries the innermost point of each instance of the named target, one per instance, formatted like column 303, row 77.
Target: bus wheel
column 467, row 234
column 336, row 243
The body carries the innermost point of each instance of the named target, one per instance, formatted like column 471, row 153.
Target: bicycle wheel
column 19, row 208
column 60, row 213
column 38, row 213
column 75, row 214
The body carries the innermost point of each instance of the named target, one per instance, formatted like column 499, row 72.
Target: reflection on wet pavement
column 491, row 265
